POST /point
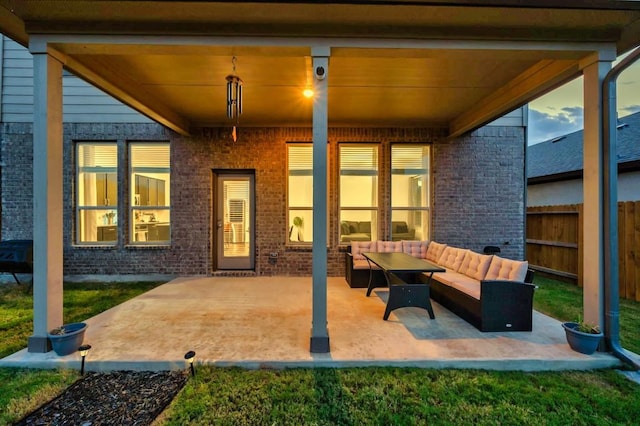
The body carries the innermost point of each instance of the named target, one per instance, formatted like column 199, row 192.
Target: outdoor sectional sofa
column 490, row 292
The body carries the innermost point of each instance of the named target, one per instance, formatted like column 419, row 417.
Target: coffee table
column 408, row 286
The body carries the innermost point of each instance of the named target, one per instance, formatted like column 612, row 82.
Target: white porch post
column 594, row 72
column 47, row 198
column 319, row 331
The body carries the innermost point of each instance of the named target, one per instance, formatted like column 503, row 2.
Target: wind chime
column 234, row 97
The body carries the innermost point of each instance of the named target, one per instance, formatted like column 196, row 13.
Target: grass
column 22, row 390
column 564, row 302
column 403, row 396
column 377, row 396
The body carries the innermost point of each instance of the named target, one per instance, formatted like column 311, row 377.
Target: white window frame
column 133, row 207
column 422, row 170
column 110, row 204
column 374, row 209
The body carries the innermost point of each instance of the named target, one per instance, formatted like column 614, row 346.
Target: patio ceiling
column 401, row 64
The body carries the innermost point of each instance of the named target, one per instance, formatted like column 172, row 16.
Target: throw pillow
column 452, row 257
column 390, row 246
column 475, row 265
column 415, row 248
column 359, row 247
column 507, row 269
column 435, row 251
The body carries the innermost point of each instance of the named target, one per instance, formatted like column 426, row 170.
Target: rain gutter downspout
column 610, row 210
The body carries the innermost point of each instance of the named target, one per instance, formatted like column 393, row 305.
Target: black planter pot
column 585, row 343
column 70, row 341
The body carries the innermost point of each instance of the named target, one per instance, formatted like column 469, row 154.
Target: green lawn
column 351, row 396
column 564, row 302
column 22, row 390
column 403, row 396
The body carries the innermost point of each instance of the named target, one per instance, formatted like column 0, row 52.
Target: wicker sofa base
column 503, row 305
column 359, row 278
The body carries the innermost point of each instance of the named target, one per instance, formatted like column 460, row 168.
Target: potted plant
column 298, row 224
column 66, row 339
column 109, row 217
column 582, row 337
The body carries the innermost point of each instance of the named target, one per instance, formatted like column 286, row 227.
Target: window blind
column 150, row 155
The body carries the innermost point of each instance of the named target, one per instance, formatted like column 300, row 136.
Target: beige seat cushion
column 435, row 251
column 460, row 282
column 363, row 264
column 475, row 265
column 389, row 246
column 359, row 247
column 452, row 257
column 507, row 269
column 415, row 248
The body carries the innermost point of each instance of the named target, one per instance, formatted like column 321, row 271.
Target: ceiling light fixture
column 307, row 92
column 234, row 96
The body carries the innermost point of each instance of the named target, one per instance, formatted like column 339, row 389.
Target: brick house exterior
column 490, row 160
column 381, row 73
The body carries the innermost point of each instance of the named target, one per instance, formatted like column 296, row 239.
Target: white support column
column 594, row 72
column 319, row 330
column 47, row 199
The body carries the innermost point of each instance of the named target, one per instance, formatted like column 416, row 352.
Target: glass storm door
column 235, row 221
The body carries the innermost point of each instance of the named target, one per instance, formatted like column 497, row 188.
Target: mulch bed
column 114, row 398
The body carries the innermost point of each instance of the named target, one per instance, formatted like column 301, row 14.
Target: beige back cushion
column 507, row 269
column 435, row 251
column 452, row 257
column 475, row 265
column 416, row 248
column 390, row 246
column 359, row 247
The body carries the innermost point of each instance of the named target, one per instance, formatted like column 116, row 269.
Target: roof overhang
column 453, row 64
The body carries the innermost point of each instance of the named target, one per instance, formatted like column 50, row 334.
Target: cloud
column 544, row 126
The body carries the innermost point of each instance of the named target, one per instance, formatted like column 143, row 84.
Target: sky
column 561, row 111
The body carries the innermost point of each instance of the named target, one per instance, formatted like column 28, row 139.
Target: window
column 410, row 193
column 358, row 193
column 150, row 193
column 300, row 192
column 97, row 193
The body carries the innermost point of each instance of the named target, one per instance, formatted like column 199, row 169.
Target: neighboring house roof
column 561, row 158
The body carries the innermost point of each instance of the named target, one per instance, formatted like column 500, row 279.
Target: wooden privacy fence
column 554, row 243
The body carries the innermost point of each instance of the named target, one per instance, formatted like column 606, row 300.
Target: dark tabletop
column 401, row 262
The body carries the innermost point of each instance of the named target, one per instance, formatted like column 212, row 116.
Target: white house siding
column 516, row 118
column 83, row 103
column 555, row 193
column 629, row 186
column 570, row 191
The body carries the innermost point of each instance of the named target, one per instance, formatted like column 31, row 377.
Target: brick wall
column 17, row 181
column 478, row 193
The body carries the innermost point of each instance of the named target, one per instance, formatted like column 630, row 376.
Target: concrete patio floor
column 265, row 322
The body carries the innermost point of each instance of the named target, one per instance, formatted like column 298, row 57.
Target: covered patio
column 449, row 67
column 263, row 322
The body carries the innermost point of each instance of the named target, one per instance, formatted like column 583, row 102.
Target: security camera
column 321, row 74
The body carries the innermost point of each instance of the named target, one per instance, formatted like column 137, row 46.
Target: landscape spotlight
column 190, row 356
column 84, row 350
